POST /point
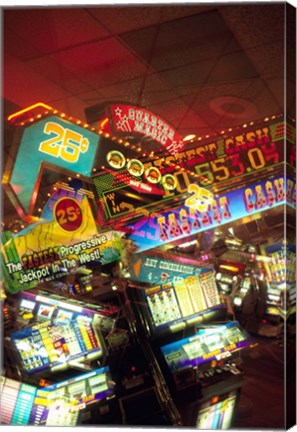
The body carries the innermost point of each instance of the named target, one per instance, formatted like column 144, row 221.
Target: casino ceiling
column 204, row 68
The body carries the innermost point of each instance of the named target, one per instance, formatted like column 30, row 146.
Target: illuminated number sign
column 236, row 156
column 157, row 229
column 200, row 199
column 65, row 143
column 68, row 214
column 220, row 162
column 55, row 141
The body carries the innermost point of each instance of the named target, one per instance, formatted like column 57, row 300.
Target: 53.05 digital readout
column 237, row 164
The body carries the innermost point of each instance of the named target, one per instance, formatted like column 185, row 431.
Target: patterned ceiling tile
column 51, row 29
column 16, row 46
column 183, row 41
column 102, row 63
column 24, row 86
column 255, row 24
column 52, row 69
column 125, row 18
column 172, row 111
column 269, row 60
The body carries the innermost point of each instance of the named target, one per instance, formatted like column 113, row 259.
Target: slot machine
column 280, row 290
column 281, row 294
column 206, row 367
column 228, row 276
column 55, row 333
column 177, row 306
column 196, row 350
column 56, row 347
column 217, row 412
column 57, row 338
column 61, row 404
column 264, row 303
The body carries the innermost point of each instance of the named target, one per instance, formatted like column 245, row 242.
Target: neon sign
column 224, row 161
column 42, row 251
column 52, row 140
column 136, row 120
column 235, row 156
column 155, row 229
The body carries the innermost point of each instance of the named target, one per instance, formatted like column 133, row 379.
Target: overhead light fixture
column 189, row 137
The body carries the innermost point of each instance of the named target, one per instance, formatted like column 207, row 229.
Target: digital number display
column 233, row 156
column 237, row 164
column 226, row 159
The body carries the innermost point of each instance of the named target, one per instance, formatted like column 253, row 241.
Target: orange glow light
column 214, row 400
column 103, row 123
column 230, row 268
column 18, row 113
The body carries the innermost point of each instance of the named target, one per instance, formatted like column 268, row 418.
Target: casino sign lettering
column 227, row 158
column 127, row 118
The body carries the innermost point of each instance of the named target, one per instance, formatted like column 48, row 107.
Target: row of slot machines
column 198, row 351
column 182, row 351
column 263, row 296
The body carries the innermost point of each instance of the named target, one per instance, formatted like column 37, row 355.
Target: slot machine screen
column 52, row 345
column 45, row 312
column 77, row 390
column 98, row 384
column 26, row 309
column 61, row 414
column 208, row 344
column 183, row 299
column 217, row 413
column 63, row 316
column 16, row 401
column 69, row 397
column 282, row 264
column 162, row 305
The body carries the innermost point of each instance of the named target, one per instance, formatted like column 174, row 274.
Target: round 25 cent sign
column 68, row 214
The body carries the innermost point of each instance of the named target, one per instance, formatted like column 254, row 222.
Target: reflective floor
column 262, row 403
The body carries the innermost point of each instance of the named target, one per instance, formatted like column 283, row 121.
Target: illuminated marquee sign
column 222, row 162
column 66, row 237
column 154, row 229
column 234, row 156
column 159, row 271
column 136, row 120
column 52, row 140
